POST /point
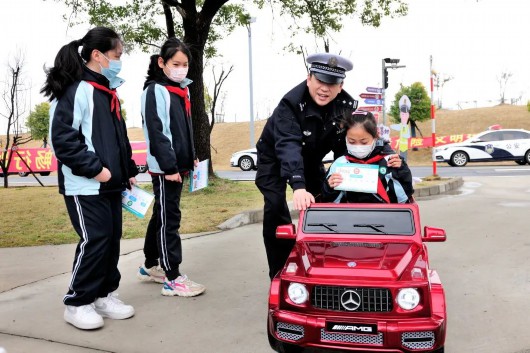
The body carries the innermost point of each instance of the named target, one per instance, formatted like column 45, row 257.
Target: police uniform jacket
column 299, row 134
column 396, row 182
column 86, row 135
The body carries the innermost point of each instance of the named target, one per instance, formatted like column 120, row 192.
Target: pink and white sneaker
column 182, row 286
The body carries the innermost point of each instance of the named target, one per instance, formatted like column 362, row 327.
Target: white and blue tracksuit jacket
column 86, row 136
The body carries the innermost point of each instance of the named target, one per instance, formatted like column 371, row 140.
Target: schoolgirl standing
column 166, row 112
column 89, row 138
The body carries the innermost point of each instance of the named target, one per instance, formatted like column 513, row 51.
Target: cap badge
column 332, row 62
column 307, row 133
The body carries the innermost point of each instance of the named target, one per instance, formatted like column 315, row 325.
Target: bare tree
column 439, row 82
column 218, row 84
column 14, row 106
column 503, row 83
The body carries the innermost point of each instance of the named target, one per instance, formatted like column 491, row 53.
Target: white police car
column 248, row 159
column 487, row 146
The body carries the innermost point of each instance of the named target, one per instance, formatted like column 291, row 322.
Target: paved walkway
column 33, row 281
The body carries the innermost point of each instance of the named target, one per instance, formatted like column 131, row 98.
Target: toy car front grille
column 351, row 338
column 418, row 340
column 289, row 331
column 335, row 298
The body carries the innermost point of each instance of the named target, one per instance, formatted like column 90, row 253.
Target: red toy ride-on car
column 358, row 279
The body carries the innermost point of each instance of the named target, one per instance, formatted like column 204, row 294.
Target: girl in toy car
column 370, row 171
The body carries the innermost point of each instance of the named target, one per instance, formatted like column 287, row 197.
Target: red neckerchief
column 114, row 102
column 184, row 94
column 380, row 188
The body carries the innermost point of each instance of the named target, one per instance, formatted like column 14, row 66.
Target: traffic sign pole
column 383, row 89
column 433, row 124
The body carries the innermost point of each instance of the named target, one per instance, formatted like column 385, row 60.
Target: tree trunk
column 196, row 33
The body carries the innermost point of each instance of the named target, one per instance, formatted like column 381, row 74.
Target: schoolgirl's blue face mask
column 111, row 72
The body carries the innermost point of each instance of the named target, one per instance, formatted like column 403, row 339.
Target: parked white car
column 248, row 159
column 487, row 146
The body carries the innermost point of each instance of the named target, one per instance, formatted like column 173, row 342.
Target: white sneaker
column 83, row 317
column 113, row 308
column 155, row 274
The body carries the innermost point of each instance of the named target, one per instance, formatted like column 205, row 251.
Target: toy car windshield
column 359, row 221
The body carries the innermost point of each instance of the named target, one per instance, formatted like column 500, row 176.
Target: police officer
column 303, row 128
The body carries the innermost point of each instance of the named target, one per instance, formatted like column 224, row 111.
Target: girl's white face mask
column 177, row 74
column 360, row 151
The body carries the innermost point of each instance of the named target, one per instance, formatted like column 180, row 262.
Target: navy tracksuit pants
column 162, row 239
column 97, row 219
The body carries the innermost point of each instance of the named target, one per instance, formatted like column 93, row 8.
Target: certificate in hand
column 136, row 200
column 357, row 177
column 199, row 176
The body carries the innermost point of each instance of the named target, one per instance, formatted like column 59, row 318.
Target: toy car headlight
column 297, row 293
column 408, row 298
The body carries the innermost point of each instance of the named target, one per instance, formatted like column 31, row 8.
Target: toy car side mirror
column 433, row 234
column 286, row 232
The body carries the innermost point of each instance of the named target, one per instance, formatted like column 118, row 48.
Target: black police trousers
column 162, row 239
column 276, row 213
column 97, row 219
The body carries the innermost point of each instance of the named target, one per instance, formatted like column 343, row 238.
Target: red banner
column 43, row 159
column 38, row 159
column 423, row 142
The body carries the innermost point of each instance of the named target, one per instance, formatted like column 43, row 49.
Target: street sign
column 371, row 108
column 373, row 101
column 371, row 95
column 374, row 89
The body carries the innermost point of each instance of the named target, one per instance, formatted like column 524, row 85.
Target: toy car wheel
column 521, row 162
column 44, row 173
column 289, row 348
column 459, row 159
column 439, row 350
column 282, row 347
column 23, row 174
column 141, row 168
column 246, row 163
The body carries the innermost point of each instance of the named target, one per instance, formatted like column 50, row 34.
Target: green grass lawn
column 34, row 215
column 37, row 215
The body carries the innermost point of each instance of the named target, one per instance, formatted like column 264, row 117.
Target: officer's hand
column 334, row 180
column 174, row 177
column 302, row 199
column 196, row 163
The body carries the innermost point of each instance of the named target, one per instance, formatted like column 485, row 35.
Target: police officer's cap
column 329, row 68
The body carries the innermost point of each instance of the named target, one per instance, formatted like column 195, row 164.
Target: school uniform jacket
column 86, row 136
column 396, row 182
column 299, row 134
column 167, row 128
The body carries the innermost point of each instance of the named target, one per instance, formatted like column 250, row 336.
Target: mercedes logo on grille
column 350, row 300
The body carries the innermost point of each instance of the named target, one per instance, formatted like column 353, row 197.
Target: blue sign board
column 373, row 101
column 374, row 90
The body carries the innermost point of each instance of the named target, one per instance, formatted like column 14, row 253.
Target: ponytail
column 69, row 62
column 68, row 68
column 154, row 72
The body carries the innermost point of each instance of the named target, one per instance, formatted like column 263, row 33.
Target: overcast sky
column 469, row 40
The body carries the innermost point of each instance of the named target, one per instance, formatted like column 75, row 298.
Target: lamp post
column 251, row 88
column 393, row 65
